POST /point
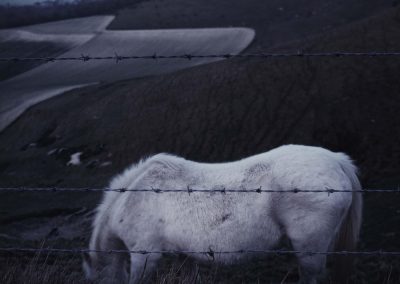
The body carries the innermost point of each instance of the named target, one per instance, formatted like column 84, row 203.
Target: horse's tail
column 348, row 234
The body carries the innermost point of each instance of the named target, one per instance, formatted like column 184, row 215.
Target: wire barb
column 117, row 57
column 156, row 190
column 85, row 58
column 300, row 53
column 211, row 253
column 330, row 190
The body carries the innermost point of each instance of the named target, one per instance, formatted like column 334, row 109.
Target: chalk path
column 88, row 36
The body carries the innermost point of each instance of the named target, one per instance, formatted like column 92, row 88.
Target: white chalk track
column 89, row 36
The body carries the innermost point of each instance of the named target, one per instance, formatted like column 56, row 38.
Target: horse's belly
column 216, row 235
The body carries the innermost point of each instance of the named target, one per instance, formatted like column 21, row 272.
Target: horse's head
column 99, row 268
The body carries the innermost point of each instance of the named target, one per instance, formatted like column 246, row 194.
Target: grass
column 49, row 268
column 380, row 230
column 41, row 269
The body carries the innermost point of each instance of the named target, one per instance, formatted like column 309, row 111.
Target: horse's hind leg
column 309, row 235
column 310, row 267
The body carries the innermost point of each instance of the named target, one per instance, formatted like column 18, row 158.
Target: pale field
column 87, row 36
column 70, row 33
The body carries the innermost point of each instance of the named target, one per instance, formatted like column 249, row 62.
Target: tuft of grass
column 40, row 269
column 179, row 274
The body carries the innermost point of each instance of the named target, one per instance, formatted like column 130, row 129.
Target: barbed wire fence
column 116, row 57
column 190, row 190
column 211, row 253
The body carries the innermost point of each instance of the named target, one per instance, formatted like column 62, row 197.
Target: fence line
column 155, row 56
column 191, row 190
column 210, row 252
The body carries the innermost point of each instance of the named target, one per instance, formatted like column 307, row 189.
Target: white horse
column 227, row 222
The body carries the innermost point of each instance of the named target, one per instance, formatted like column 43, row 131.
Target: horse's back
column 222, row 217
column 287, row 167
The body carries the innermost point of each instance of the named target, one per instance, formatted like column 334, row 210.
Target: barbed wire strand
column 209, row 252
column 191, row 190
column 155, row 56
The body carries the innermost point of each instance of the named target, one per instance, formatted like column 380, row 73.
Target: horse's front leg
column 142, row 266
column 311, row 268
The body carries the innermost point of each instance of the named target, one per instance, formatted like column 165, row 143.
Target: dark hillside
column 228, row 110
column 275, row 21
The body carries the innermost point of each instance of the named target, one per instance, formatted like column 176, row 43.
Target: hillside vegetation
column 275, row 21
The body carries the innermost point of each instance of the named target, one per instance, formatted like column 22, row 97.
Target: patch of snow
column 105, row 164
column 75, row 159
column 51, row 152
